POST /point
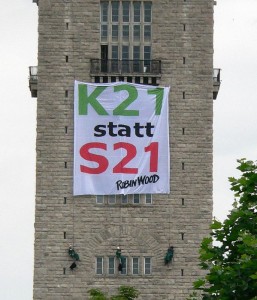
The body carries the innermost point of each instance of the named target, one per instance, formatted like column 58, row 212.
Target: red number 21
column 131, row 152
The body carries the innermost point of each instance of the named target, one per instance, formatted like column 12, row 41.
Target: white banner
column 121, row 139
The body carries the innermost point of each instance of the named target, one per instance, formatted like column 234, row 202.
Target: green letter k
column 85, row 99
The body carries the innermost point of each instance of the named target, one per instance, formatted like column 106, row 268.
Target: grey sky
column 235, row 125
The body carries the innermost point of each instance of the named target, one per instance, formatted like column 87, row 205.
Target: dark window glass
column 148, row 198
column 147, row 33
column 125, row 32
column 115, row 32
column 125, row 10
column 148, row 266
column 137, row 11
column 99, row 265
column 115, row 11
column 136, row 32
column 124, row 199
column 111, row 269
column 136, row 198
column 104, row 32
column 104, row 11
column 124, row 266
column 135, row 265
column 148, row 11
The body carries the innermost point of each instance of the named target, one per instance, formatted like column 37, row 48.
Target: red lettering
column 153, row 149
column 131, row 153
column 101, row 160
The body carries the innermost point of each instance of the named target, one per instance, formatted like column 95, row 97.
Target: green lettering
column 120, row 110
column 159, row 92
column 85, row 100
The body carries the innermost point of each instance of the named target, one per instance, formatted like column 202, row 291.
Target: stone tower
column 158, row 42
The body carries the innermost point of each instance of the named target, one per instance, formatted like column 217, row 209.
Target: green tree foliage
column 125, row 293
column 231, row 262
column 96, row 294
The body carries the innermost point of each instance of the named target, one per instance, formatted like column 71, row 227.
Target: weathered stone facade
column 182, row 38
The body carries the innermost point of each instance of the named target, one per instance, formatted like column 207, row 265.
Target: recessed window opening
column 136, row 198
column 182, row 272
column 147, row 266
column 183, row 166
column 66, row 93
column 64, row 200
column 148, row 199
column 148, row 11
column 184, row 60
column 129, row 24
column 97, row 79
column 64, row 271
column 137, row 11
column 66, row 58
column 99, row 199
column 125, row 11
column 65, row 164
column 183, row 131
column 124, row 199
column 135, row 265
column 115, row 11
column 99, row 265
column 66, row 129
column 184, row 95
column 111, row 199
column 182, row 236
column 184, row 27
column 137, row 79
column 145, row 80
column 67, row 25
column 183, row 201
column 154, row 81
column 124, row 266
column 64, row 235
column 111, row 266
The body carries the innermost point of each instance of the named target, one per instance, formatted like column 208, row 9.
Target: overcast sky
column 235, row 125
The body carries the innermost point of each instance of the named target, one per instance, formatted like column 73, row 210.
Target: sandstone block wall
column 182, row 39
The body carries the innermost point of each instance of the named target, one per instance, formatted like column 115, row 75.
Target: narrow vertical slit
column 65, row 164
column 183, row 166
column 66, row 93
column 184, row 60
column 64, row 235
column 184, row 95
column 66, row 58
column 64, row 200
column 67, row 25
column 183, row 131
column 184, row 27
column 183, row 201
column 182, row 236
column 182, row 272
column 66, row 129
column 64, row 271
